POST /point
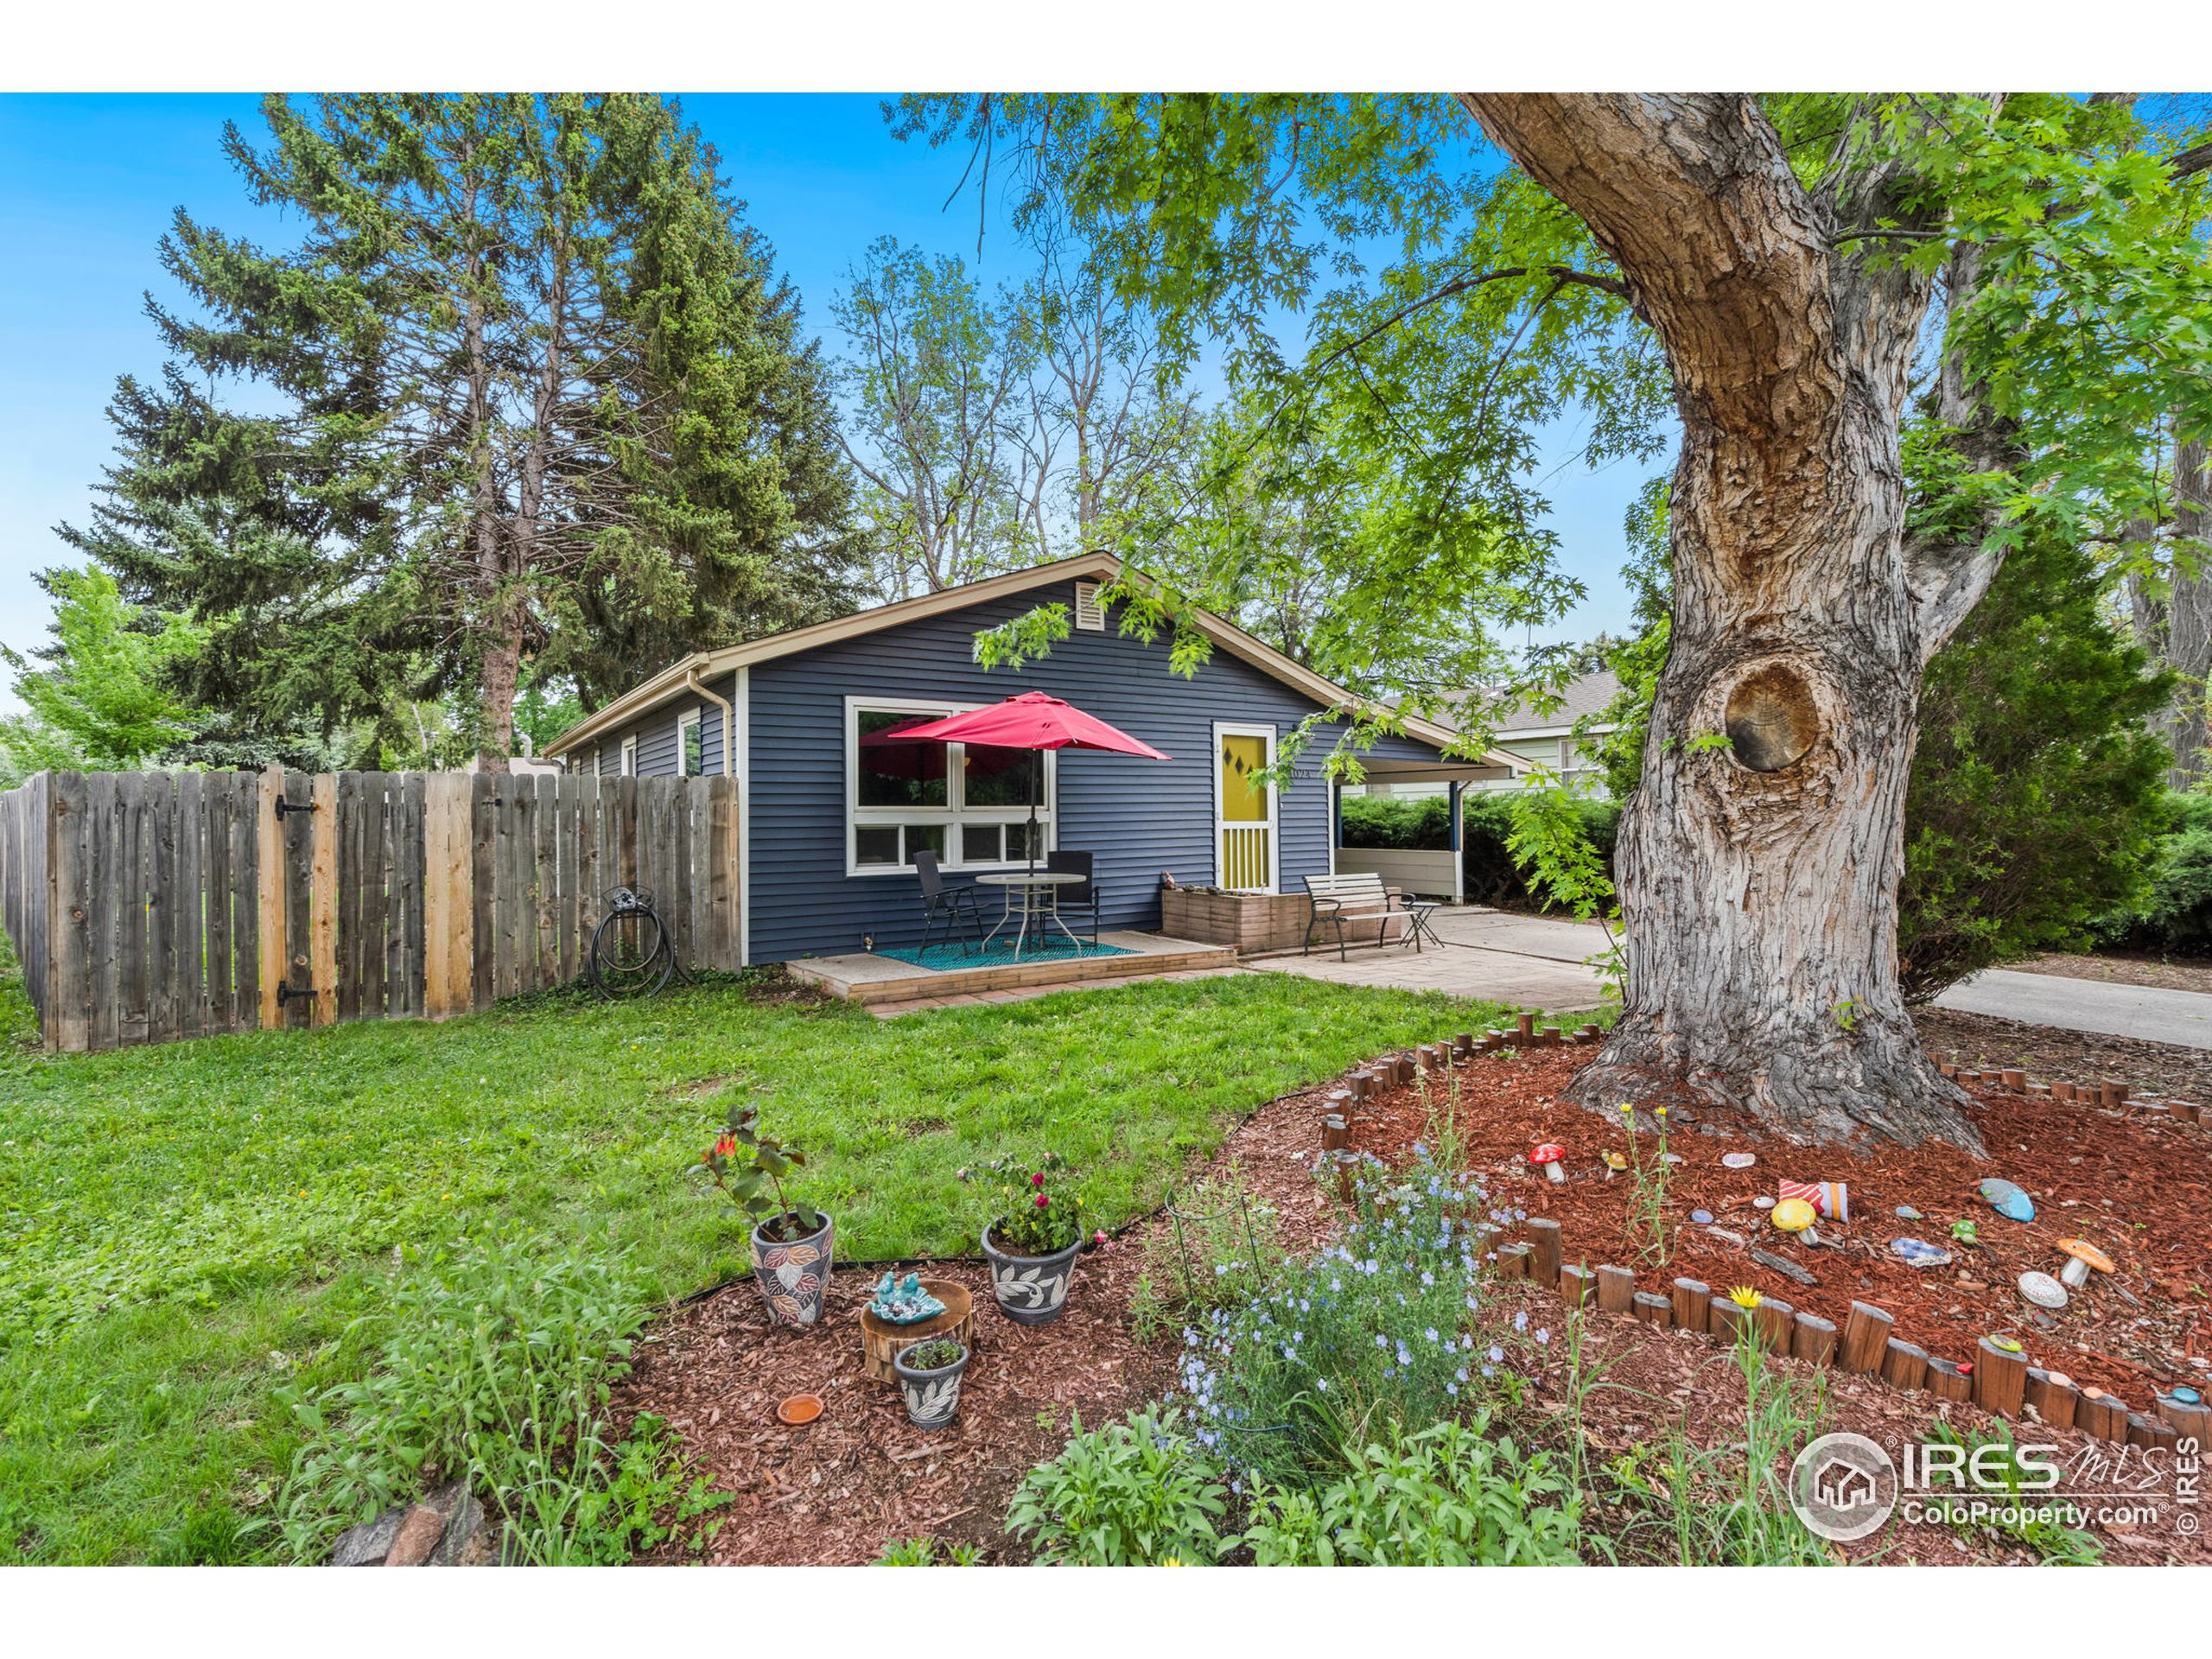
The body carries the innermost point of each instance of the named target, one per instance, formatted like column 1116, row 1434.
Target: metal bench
column 1336, row 900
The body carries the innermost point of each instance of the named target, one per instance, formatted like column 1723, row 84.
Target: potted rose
column 1033, row 1241
column 929, row 1376
column 790, row 1237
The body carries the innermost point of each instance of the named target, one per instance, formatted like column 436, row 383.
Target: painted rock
column 2007, row 1200
column 1739, row 1159
column 1906, row 1212
column 2042, row 1290
column 1762, row 1202
column 2184, row 1396
column 1702, row 1217
column 1919, row 1253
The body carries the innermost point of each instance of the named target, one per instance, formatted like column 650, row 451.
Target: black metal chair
column 1082, row 895
column 949, row 905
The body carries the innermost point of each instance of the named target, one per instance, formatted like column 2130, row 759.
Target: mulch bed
column 2126, row 968
column 833, row 1492
column 2166, row 1070
column 2138, row 1190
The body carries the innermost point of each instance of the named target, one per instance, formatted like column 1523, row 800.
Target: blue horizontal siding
column 1139, row 818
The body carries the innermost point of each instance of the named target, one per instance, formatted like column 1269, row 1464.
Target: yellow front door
column 1245, row 830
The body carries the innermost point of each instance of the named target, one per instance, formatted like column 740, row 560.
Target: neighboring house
column 1533, row 740
column 832, row 807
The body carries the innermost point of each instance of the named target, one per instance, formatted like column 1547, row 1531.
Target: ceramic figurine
column 903, row 1301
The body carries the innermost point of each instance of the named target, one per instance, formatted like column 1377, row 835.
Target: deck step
column 867, row 978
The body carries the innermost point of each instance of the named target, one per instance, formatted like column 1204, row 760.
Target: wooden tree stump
column 1616, row 1289
column 2052, row 1401
column 1724, row 1319
column 1815, row 1339
column 1524, row 1027
column 1545, row 1252
column 1513, row 1260
column 2195, row 1421
column 2150, row 1433
column 1653, row 1309
column 2000, row 1378
column 1336, row 1134
column 2102, row 1417
column 1904, row 1364
column 1866, row 1338
column 1947, row 1381
column 1692, row 1298
column 1776, row 1320
column 1574, row 1286
column 881, row 1340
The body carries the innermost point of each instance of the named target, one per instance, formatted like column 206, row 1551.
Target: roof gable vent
column 1090, row 615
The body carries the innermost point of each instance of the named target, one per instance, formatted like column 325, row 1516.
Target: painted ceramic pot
column 932, row 1397
column 1030, row 1289
column 793, row 1274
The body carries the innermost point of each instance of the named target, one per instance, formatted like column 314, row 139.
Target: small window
column 1090, row 615
column 690, row 754
column 982, row 843
column 629, row 757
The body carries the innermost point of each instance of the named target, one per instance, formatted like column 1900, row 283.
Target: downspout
column 729, row 717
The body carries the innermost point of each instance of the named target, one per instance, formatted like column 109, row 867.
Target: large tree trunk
column 2176, row 626
column 1759, row 878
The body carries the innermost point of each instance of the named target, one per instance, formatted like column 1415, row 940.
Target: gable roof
column 1585, row 693
column 675, row 679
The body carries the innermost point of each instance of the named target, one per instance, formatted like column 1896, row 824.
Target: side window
column 629, row 757
column 690, row 756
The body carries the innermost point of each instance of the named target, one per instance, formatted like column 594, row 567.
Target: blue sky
column 88, row 183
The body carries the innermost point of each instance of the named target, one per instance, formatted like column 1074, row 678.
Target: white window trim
column 629, row 766
column 1048, row 811
column 1235, row 728
column 691, row 718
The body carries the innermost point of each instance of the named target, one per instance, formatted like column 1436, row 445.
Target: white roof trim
column 672, row 681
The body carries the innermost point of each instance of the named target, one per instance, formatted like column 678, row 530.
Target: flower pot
column 1030, row 1289
column 932, row 1397
column 793, row 1274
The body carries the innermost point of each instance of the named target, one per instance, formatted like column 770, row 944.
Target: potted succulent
column 1032, row 1242
column 929, row 1376
column 790, row 1237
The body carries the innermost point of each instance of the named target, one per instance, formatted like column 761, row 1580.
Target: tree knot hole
column 1770, row 718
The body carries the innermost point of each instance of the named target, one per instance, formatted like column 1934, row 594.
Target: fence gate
column 148, row 906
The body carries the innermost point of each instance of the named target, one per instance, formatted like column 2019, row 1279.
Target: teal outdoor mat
column 950, row 958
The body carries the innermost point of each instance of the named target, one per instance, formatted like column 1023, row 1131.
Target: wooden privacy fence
column 148, row 906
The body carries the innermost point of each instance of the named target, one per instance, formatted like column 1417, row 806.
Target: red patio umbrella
column 1032, row 721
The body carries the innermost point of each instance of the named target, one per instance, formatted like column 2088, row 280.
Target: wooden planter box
column 1248, row 922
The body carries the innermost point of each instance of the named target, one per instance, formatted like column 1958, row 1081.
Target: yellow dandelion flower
column 1744, row 1297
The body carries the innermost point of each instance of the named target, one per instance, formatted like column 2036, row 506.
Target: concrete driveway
column 2144, row 1012
column 1537, row 962
column 1527, row 961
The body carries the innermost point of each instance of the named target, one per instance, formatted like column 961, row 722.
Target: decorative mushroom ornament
column 2083, row 1255
column 1551, row 1155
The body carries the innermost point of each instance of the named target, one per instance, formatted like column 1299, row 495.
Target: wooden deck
column 867, row 978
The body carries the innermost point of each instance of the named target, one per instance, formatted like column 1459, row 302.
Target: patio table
column 1032, row 895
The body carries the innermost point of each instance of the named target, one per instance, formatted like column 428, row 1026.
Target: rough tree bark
column 1759, row 880
column 2176, row 625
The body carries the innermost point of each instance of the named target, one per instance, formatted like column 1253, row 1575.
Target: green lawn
column 187, row 1227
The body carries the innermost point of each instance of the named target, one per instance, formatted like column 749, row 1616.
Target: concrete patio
column 1489, row 954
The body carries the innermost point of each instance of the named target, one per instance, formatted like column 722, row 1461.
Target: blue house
column 832, row 809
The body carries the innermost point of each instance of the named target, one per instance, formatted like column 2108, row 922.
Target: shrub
column 1492, row 874
column 1367, row 1332
column 2176, row 912
column 1136, row 1493
column 496, row 1367
column 1445, row 1496
column 1422, row 821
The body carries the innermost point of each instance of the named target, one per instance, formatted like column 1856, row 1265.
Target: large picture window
column 968, row 803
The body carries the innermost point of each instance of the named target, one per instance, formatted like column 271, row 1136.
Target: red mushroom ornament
column 1552, row 1156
